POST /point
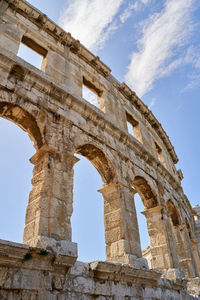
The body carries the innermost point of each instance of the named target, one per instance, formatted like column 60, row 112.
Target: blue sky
column 152, row 45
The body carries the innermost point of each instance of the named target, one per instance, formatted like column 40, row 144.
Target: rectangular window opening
column 31, row 52
column 90, row 92
column 133, row 127
column 160, row 154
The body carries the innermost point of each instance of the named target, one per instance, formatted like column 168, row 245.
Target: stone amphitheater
column 49, row 106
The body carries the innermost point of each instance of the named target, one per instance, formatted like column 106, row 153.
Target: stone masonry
column 49, row 106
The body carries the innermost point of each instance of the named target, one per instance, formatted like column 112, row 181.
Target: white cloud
column 152, row 103
column 145, row 2
column 137, row 5
column 128, row 11
column 90, row 21
column 192, row 58
column 194, row 81
column 163, row 35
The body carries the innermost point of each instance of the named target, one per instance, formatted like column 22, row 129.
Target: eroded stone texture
column 49, row 106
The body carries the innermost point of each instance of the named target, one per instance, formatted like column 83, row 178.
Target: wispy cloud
column 90, row 21
column 179, row 107
column 137, row 5
column 152, row 103
column 163, row 36
column 194, row 81
column 145, row 2
column 128, row 11
column 192, row 58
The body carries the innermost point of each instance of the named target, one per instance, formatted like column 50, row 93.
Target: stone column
column 10, row 38
column 46, row 222
column 162, row 249
column 63, row 70
column 185, row 251
column 196, row 252
column 121, row 226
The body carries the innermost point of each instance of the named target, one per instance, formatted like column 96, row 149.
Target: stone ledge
column 18, row 255
column 124, row 273
column 176, row 277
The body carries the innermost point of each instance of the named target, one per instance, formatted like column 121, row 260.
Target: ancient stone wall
column 49, row 106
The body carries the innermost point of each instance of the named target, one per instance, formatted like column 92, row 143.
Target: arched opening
column 88, row 212
column 157, row 254
column 88, row 216
column 23, row 119
column 145, row 191
column 99, row 161
column 173, row 213
column 142, row 224
column 27, row 122
column 145, row 199
column 15, row 177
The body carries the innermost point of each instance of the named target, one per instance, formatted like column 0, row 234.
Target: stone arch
column 105, row 169
column 15, row 176
column 24, row 120
column 27, row 122
column 173, row 213
column 145, row 191
column 99, row 160
column 161, row 254
column 121, row 241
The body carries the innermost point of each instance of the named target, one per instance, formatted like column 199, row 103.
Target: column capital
column 115, row 186
column 45, row 149
column 153, row 210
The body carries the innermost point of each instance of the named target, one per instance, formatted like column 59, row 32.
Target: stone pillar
column 185, row 251
column 112, row 108
column 121, row 227
column 196, row 253
column 46, row 222
column 63, row 70
column 10, row 38
column 162, row 249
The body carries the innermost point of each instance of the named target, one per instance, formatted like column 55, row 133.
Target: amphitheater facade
column 49, row 106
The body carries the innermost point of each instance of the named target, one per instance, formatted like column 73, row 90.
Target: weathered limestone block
column 54, row 66
column 10, row 38
column 193, row 286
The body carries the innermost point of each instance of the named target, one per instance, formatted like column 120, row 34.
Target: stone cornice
column 125, row 273
column 20, row 255
column 65, row 38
